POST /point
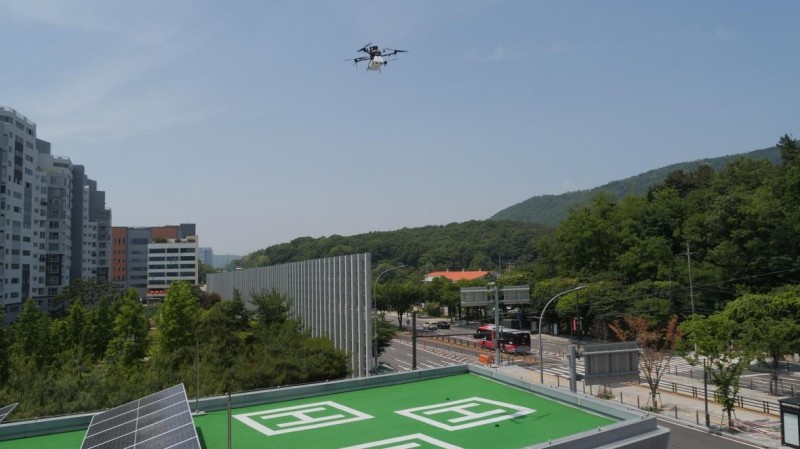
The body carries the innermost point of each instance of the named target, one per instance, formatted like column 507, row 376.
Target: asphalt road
column 682, row 437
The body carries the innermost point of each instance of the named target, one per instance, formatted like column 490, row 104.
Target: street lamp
column 705, row 391
column 375, row 312
column 541, row 359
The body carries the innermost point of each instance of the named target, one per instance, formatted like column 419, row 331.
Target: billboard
column 516, row 294
column 474, row 296
column 611, row 362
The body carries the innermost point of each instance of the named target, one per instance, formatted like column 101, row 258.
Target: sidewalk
column 762, row 430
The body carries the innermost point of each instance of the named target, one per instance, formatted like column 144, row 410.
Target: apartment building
column 46, row 203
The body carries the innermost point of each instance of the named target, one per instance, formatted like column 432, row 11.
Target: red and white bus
column 510, row 340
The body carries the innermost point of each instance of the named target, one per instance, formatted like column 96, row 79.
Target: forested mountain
column 456, row 246
column 550, row 210
column 480, row 244
column 738, row 225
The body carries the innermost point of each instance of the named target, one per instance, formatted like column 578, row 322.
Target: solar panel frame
column 5, row 411
column 160, row 420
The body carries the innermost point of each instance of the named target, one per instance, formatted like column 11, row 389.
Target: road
column 751, row 379
column 555, row 350
column 682, row 437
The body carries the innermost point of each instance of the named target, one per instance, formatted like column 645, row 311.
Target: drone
column 375, row 56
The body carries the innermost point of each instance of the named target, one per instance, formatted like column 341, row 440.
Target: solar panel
column 161, row 420
column 5, row 411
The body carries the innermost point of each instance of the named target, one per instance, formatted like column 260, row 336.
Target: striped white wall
column 330, row 296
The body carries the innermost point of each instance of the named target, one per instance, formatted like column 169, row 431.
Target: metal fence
column 331, row 297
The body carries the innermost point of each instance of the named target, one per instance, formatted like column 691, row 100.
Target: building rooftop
column 457, row 275
column 448, row 408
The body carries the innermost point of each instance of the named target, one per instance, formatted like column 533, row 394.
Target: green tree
column 717, row 341
column 790, row 150
column 402, row 297
column 130, row 332
column 271, row 308
column 203, row 270
column 588, row 238
column 76, row 326
column 225, row 331
column 443, row 292
column 178, row 318
column 89, row 291
column 32, row 336
column 4, row 353
column 769, row 326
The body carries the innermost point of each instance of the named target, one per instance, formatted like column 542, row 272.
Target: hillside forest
column 715, row 250
column 691, row 244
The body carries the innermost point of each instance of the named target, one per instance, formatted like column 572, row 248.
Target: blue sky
column 244, row 118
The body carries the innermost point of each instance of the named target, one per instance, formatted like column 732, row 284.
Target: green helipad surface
column 462, row 411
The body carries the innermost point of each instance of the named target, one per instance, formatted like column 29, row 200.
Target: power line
column 705, row 287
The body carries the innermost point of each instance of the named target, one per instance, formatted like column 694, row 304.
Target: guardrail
column 757, row 405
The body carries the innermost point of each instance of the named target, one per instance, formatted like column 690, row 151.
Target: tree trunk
column 730, row 423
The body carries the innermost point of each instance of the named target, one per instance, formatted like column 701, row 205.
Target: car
column 429, row 326
column 443, row 325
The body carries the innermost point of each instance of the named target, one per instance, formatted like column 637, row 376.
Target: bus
column 511, row 340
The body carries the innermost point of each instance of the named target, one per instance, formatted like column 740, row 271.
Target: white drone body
column 376, row 58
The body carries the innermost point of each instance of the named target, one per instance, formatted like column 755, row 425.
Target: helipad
column 452, row 408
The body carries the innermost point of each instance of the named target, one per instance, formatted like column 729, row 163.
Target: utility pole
column 414, row 340
column 689, row 263
column 498, row 334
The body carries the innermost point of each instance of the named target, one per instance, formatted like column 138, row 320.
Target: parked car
column 443, row 325
column 429, row 326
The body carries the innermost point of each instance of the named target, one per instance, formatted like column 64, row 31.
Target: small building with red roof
column 456, row 276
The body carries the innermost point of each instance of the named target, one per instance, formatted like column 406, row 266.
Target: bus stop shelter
column 790, row 416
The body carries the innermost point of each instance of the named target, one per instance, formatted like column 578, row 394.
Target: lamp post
column 541, row 316
column 375, row 312
column 705, row 391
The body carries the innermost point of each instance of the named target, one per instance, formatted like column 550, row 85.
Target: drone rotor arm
column 392, row 51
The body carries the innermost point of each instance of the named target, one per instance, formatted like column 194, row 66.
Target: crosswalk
column 445, row 357
column 562, row 369
column 679, row 366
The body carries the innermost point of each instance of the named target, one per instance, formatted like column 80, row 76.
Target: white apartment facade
column 43, row 212
column 56, row 177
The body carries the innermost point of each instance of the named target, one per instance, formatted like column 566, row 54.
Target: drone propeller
column 393, row 51
column 364, row 48
column 358, row 59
